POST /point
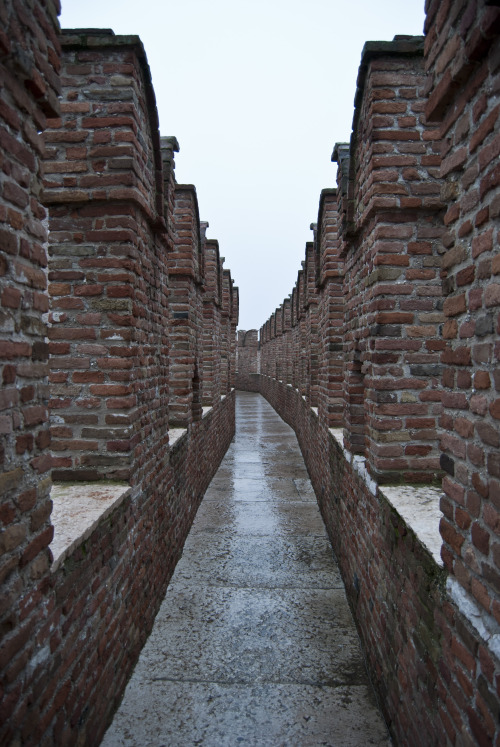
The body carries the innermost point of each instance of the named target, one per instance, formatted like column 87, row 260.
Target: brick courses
column 127, row 339
column 247, row 363
column 406, row 259
column 391, row 333
column 29, row 64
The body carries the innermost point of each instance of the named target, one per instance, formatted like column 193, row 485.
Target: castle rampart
column 395, row 378
column 122, row 375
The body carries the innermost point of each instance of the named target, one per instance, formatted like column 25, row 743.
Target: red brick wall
column 331, row 311
column 211, row 324
column 185, row 275
column 409, row 319
column 107, row 268
column 29, row 64
column 106, row 595
column 117, row 218
column 247, row 364
column 462, row 52
column 392, row 287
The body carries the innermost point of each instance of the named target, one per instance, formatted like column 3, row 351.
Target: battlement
column 385, row 360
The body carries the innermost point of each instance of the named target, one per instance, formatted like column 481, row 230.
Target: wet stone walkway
column 254, row 643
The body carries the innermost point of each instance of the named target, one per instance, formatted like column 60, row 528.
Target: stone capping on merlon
column 78, row 508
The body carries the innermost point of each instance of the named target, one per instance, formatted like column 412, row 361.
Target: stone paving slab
column 253, row 488
column 254, row 635
column 254, row 643
column 266, row 715
column 268, row 517
column 288, row 562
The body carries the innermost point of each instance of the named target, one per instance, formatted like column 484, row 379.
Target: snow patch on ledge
column 338, row 435
column 359, row 464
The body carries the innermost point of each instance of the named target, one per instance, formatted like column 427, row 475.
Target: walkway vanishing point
column 254, row 643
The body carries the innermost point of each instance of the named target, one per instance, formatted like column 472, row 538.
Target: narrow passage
column 254, row 643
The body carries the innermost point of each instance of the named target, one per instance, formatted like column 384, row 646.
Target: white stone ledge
column 77, row 510
column 175, row 434
column 417, row 506
column 338, row 435
column 481, row 621
column 205, row 412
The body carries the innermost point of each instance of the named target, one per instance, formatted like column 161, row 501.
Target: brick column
column 107, row 271
column 29, row 64
column 287, row 348
column 235, row 308
column 331, row 313
column 391, row 238
column 212, row 300
column 184, row 270
column 225, row 338
column 311, row 309
column 461, row 54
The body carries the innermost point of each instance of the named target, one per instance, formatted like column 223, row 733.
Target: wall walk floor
column 254, row 643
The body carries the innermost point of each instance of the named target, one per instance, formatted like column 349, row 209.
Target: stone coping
column 77, row 510
column 484, row 623
column 418, row 506
column 175, row 434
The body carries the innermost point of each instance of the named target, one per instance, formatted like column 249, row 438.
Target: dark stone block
column 447, row 463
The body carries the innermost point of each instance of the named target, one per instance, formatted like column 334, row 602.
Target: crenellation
column 403, row 330
column 104, row 329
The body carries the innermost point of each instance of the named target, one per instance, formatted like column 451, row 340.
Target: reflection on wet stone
column 254, row 642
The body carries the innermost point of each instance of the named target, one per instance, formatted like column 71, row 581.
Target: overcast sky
column 257, row 93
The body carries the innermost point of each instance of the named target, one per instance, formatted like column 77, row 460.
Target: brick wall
column 185, row 275
column 462, row 52
column 29, row 63
column 106, row 594
column 391, row 247
column 107, row 269
column 405, row 262
column 127, row 338
column 247, row 360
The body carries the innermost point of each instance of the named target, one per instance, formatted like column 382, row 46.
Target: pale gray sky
column 257, row 92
